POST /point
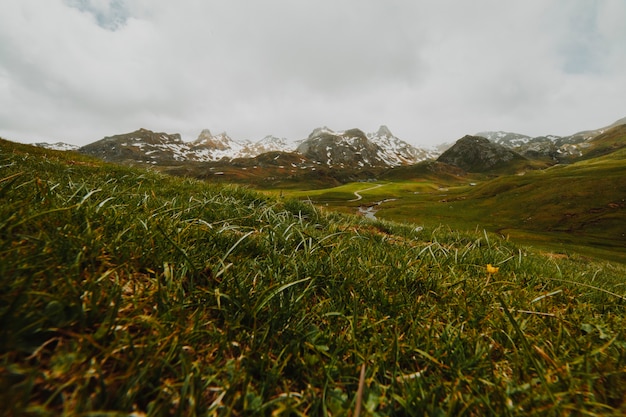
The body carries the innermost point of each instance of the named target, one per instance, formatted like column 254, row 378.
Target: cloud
column 109, row 14
column 77, row 70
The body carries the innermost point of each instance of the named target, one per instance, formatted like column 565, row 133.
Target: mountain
column 267, row 144
column 608, row 141
column 146, row 146
column 210, row 147
column 397, row 152
column 141, row 146
column 478, row 154
column 355, row 148
column 557, row 148
column 58, row 146
column 508, row 139
column 348, row 149
column 337, row 149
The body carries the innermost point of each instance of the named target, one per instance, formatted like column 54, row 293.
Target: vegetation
column 125, row 291
column 565, row 208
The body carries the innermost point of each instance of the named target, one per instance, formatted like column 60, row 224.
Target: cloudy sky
column 432, row 71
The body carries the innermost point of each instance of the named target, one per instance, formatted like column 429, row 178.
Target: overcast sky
column 432, row 71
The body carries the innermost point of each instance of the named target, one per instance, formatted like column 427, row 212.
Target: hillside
column 124, row 291
column 559, row 149
column 478, row 154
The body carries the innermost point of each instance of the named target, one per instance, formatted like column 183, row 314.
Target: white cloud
column 77, row 70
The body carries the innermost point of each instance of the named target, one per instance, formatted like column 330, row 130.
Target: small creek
column 369, row 212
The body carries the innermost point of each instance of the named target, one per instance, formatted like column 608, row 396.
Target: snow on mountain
column 349, row 148
column 396, row 151
column 145, row 146
column 210, row 147
column 58, row 146
column 558, row 148
column 505, row 138
column 355, row 148
column 267, row 144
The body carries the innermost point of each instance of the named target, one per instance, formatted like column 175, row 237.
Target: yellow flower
column 492, row 269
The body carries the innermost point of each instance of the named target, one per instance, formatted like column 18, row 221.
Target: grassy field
column 124, row 291
column 575, row 208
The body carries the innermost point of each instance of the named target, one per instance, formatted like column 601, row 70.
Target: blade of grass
column 527, row 348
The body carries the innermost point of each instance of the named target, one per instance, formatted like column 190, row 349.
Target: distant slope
column 559, row 149
column 611, row 140
column 430, row 170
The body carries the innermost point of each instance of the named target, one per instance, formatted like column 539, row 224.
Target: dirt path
column 359, row 196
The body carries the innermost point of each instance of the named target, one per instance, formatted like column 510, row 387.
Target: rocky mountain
column 146, row 146
column 142, row 146
column 338, row 149
column 479, row 154
column 209, row 147
column 557, row 148
column 355, row 148
column 267, row 144
column 351, row 148
column 508, row 139
column 397, row 152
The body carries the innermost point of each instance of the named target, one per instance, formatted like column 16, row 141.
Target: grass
column 575, row 208
column 125, row 291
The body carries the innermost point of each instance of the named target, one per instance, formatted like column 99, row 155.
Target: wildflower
column 492, row 269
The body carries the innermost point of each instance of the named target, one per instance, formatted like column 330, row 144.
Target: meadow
column 127, row 292
column 577, row 208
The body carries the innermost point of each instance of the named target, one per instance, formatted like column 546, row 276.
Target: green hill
column 582, row 202
column 607, row 142
column 127, row 292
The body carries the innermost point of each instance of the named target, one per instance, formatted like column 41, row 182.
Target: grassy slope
column 579, row 207
column 122, row 290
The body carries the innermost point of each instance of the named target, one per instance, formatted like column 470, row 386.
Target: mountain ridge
column 560, row 149
column 352, row 148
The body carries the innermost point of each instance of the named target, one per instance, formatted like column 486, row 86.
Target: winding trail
column 359, row 196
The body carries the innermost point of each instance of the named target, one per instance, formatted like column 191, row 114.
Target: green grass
column 575, row 208
column 125, row 291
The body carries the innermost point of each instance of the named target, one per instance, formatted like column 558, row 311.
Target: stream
column 369, row 212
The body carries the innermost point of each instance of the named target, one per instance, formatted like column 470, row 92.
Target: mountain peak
column 323, row 130
column 220, row 142
column 383, row 131
column 205, row 133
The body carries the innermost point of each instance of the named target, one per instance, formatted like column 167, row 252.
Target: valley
column 125, row 291
column 312, row 208
column 564, row 194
